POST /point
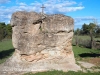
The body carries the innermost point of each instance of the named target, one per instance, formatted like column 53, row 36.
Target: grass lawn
column 61, row 73
column 85, row 52
column 88, row 55
column 6, row 50
column 6, row 45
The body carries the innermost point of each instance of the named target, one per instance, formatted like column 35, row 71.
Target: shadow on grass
column 6, row 53
column 89, row 55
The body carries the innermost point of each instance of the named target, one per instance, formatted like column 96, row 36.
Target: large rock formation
column 41, row 43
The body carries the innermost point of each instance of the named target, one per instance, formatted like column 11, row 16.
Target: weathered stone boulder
column 41, row 43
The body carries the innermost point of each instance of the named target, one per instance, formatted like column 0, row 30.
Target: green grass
column 85, row 37
column 78, row 50
column 6, row 50
column 5, row 45
column 62, row 73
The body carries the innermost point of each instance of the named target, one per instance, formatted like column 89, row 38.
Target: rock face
column 41, row 43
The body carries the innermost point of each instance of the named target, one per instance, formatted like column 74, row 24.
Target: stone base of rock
column 17, row 64
column 88, row 67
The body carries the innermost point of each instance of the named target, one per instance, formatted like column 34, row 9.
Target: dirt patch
column 95, row 61
column 92, row 60
column 90, row 65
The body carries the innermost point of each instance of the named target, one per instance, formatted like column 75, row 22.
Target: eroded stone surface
column 86, row 64
column 41, row 43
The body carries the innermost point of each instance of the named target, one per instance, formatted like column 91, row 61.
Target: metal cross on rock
column 43, row 9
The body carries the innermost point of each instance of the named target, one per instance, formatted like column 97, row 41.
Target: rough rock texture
column 41, row 43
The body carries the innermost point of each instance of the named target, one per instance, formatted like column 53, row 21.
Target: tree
column 8, row 31
column 5, row 31
column 2, row 30
column 91, row 29
column 97, row 31
column 77, row 31
column 85, row 29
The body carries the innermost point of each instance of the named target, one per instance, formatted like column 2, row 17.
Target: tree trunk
column 92, row 41
column 76, row 40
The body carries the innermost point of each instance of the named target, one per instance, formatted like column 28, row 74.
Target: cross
column 43, row 8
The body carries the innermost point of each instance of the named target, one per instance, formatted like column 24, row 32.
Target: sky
column 82, row 11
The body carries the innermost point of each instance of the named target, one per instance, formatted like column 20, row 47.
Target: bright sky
column 83, row 11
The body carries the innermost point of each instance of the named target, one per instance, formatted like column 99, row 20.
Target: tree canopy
column 5, row 31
